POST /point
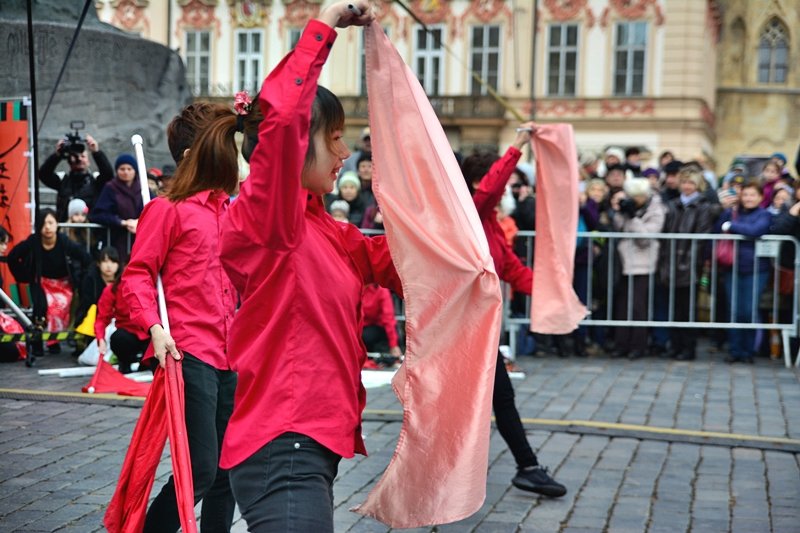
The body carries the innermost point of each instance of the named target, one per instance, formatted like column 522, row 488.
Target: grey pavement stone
column 66, row 456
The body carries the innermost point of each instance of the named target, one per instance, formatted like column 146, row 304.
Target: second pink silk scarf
column 555, row 308
column 453, row 303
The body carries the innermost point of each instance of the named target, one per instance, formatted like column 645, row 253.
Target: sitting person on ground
column 53, row 265
column 349, row 187
column 105, row 271
column 129, row 341
column 339, row 209
column 380, row 326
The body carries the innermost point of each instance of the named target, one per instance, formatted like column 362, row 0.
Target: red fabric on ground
column 106, row 378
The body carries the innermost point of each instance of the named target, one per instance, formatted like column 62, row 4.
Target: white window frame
column 253, row 61
column 768, row 41
column 194, row 76
column 294, row 35
column 485, row 51
column 630, row 48
column 428, row 56
column 563, row 49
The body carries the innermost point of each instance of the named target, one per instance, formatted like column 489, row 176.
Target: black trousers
column 628, row 339
column 507, row 417
column 127, row 347
column 375, row 339
column 683, row 339
column 208, row 395
column 287, row 486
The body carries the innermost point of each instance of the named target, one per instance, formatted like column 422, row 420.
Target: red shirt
column 378, row 310
column 112, row 305
column 181, row 241
column 296, row 340
column 488, row 194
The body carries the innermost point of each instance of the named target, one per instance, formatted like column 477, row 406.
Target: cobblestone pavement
column 60, row 459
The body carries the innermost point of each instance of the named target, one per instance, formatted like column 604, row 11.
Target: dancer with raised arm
column 296, row 341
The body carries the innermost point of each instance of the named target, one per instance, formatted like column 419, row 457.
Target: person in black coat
column 60, row 267
column 79, row 182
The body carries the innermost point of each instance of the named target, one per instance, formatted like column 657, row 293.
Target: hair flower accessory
column 242, row 103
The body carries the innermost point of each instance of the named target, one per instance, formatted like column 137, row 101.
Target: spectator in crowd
column 79, row 181
column 365, row 176
column 53, row 265
column 524, row 213
column 779, row 158
column 637, row 210
column 690, row 213
column 633, row 160
column 787, row 222
column 349, row 187
column 524, row 216
column 77, row 212
column 770, row 177
column 339, row 210
column 653, row 176
column 120, row 204
column 486, row 175
column 380, row 326
column 364, row 145
column 615, row 178
column 614, row 156
column 665, row 157
column 504, row 218
column 154, row 175
column 782, row 197
column 749, row 219
column 373, row 218
column 588, row 220
column 588, row 168
column 670, row 186
column 105, row 271
column 129, row 340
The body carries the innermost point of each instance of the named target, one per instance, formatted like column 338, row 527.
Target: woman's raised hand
column 347, row 13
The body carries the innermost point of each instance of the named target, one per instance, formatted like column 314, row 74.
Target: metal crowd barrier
column 703, row 248
column 90, row 232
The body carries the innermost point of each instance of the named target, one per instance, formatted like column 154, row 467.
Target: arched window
column 773, row 53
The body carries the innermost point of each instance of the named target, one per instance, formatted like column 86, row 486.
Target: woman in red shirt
column 128, row 340
column 296, row 341
column 178, row 237
column 486, row 176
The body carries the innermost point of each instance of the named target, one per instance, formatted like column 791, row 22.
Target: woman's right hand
column 163, row 343
column 102, row 346
column 339, row 15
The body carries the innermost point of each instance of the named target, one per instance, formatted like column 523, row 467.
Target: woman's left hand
column 339, row 15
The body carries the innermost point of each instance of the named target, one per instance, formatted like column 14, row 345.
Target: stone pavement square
column 60, row 459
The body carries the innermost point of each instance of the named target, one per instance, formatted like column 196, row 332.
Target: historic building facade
column 623, row 72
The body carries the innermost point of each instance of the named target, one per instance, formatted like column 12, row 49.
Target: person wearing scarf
column 120, row 204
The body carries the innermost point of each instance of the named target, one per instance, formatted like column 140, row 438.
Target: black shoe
column 731, row 360
column 657, row 350
column 686, row 355
column 536, row 479
column 636, row 354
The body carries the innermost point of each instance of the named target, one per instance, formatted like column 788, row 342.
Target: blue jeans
column 742, row 341
column 287, row 486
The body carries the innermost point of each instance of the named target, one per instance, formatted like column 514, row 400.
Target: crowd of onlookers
column 650, row 279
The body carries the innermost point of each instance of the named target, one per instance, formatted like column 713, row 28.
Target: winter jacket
column 118, row 202
column 696, row 217
column 640, row 256
column 81, row 185
column 751, row 223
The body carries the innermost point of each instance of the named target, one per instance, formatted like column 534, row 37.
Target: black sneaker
column 536, row 479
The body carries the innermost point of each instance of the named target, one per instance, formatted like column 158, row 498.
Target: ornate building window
column 773, row 53
column 485, row 57
column 630, row 51
column 363, row 75
column 198, row 61
column 249, row 60
column 294, row 36
column 562, row 59
column 429, row 58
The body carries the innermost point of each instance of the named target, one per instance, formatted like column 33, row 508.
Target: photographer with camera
column 79, row 182
column 636, row 210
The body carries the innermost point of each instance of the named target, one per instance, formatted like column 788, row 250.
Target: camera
column 73, row 142
column 628, row 207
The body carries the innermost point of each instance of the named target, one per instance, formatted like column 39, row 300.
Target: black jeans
column 127, row 347
column 208, row 396
column 628, row 339
column 287, row 486
column 507, row 417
